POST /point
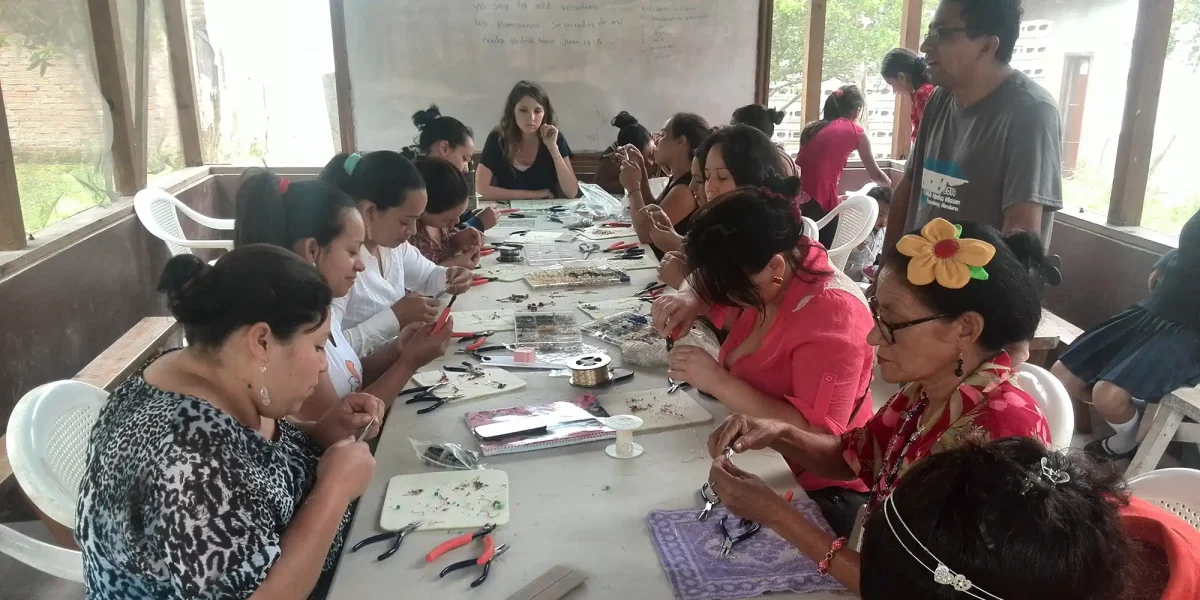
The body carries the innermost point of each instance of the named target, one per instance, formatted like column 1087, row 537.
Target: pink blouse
column 814, row 357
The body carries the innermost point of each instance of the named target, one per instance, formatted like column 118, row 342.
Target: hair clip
column 1043, row 470
column 942, row 574
column 283, row 185
column 351, row 163
column 940, row 254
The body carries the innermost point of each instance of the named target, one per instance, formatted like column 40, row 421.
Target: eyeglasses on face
column 888, row 329
column 937, row 34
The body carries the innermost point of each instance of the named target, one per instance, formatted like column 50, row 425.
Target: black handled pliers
column 395, row 536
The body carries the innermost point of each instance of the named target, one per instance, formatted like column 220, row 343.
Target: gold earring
column 264, row 397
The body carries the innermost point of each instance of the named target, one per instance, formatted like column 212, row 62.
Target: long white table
column 571, row 506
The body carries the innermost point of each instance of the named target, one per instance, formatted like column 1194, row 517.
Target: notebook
column 576, row 427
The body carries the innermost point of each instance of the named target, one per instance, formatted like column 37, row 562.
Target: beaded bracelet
column 823, row 566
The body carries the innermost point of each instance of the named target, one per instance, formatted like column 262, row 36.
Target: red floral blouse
column 920, row 98
column 436, row 250
column 988, row 403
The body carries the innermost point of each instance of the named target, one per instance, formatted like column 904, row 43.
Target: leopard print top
column 180, row 500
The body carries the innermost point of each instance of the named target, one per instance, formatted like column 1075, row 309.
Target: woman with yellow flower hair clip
column 946, row 303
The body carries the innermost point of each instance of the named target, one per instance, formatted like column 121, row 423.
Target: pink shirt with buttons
column 814, row 357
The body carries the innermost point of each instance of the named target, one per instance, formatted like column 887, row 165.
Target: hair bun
column 784, row 186
column 776, row 115
column 410, row 152
column 623, row 120
column 179, row 280
column 1027, row 246
column 423, row 118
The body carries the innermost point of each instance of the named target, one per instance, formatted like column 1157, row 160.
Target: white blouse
column 345, row 369
column 366, row 312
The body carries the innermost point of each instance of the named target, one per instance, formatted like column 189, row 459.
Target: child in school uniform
column 865, row 254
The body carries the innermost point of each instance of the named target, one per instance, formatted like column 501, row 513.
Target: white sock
column 1124, row 437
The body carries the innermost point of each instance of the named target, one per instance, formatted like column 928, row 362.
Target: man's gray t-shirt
column 974, row 163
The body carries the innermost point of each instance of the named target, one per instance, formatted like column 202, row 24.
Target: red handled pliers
column 477, row 339
column 480, row 280
column 621, row 246
column 490, row 551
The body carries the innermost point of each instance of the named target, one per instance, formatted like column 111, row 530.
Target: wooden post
column 814, row 55
column 762, row 74
column 910, row 37
column 1149, row 58
column 12, row 225
column 114, row 87
column 141, row 96
column 341, row 76
column 179, row 44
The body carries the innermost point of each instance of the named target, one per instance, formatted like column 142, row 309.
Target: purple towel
column 762, row 564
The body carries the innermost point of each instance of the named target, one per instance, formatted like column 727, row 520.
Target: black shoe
column 1099, row 451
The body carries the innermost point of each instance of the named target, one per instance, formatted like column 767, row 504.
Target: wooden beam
column 12, row 225
column 814, row 55
column 129, row 352
column 910, row 37
column 114, row 87
column 1148, row 60
column 762, row 73
column 179, row 52
column 141, row 96
column 341, row 76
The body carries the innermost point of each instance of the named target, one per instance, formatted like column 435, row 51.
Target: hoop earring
column 777, row 280
column 958, row 371
column 263, row 395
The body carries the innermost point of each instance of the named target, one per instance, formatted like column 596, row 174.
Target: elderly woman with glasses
column 946, row 303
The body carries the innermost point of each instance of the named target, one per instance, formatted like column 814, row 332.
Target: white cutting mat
column 474, row 321
column 606, row 308
column 471, row 389
column 606, row 233
column 446, row 500
column 501, row 271
column 658, row 409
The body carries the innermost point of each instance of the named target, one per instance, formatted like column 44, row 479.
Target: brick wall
column 60, row 117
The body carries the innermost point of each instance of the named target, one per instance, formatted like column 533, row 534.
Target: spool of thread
column 590, row 370
column 624, row 447
column 509, row 254
column 524, row 355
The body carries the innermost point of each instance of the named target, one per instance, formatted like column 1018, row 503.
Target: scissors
column 588, row 249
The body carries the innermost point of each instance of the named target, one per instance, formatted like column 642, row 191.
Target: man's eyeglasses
column 888, row 330
column 937, row 34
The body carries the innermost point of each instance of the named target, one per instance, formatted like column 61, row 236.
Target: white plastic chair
column 1052, row 397
column 1176, row 490
column 47, row 442
column 155, row 208
column 858, row 215
column 810, row 228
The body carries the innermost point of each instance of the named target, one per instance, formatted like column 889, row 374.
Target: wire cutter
column 651, row 291
column 620, row 246
column 485, row 532
column 395, row 536
column 477, row 339
column 470, row 562
column 629, row 254
column 711, row 500
column 425, row 394
column 734, row 540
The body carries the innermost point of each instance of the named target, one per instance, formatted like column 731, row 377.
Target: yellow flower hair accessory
column 939, row 254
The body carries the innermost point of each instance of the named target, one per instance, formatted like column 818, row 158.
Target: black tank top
column 685, row 223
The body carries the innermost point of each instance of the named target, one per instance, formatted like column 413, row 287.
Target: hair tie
column 283, row 185
column 351, row 163
column 838, row 92
column 939, row 253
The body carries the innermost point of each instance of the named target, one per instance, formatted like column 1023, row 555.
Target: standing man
column 990, row 144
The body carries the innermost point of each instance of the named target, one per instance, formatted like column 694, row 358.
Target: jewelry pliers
column 395, row 536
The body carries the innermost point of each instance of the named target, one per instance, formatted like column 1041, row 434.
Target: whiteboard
column 595, row 58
